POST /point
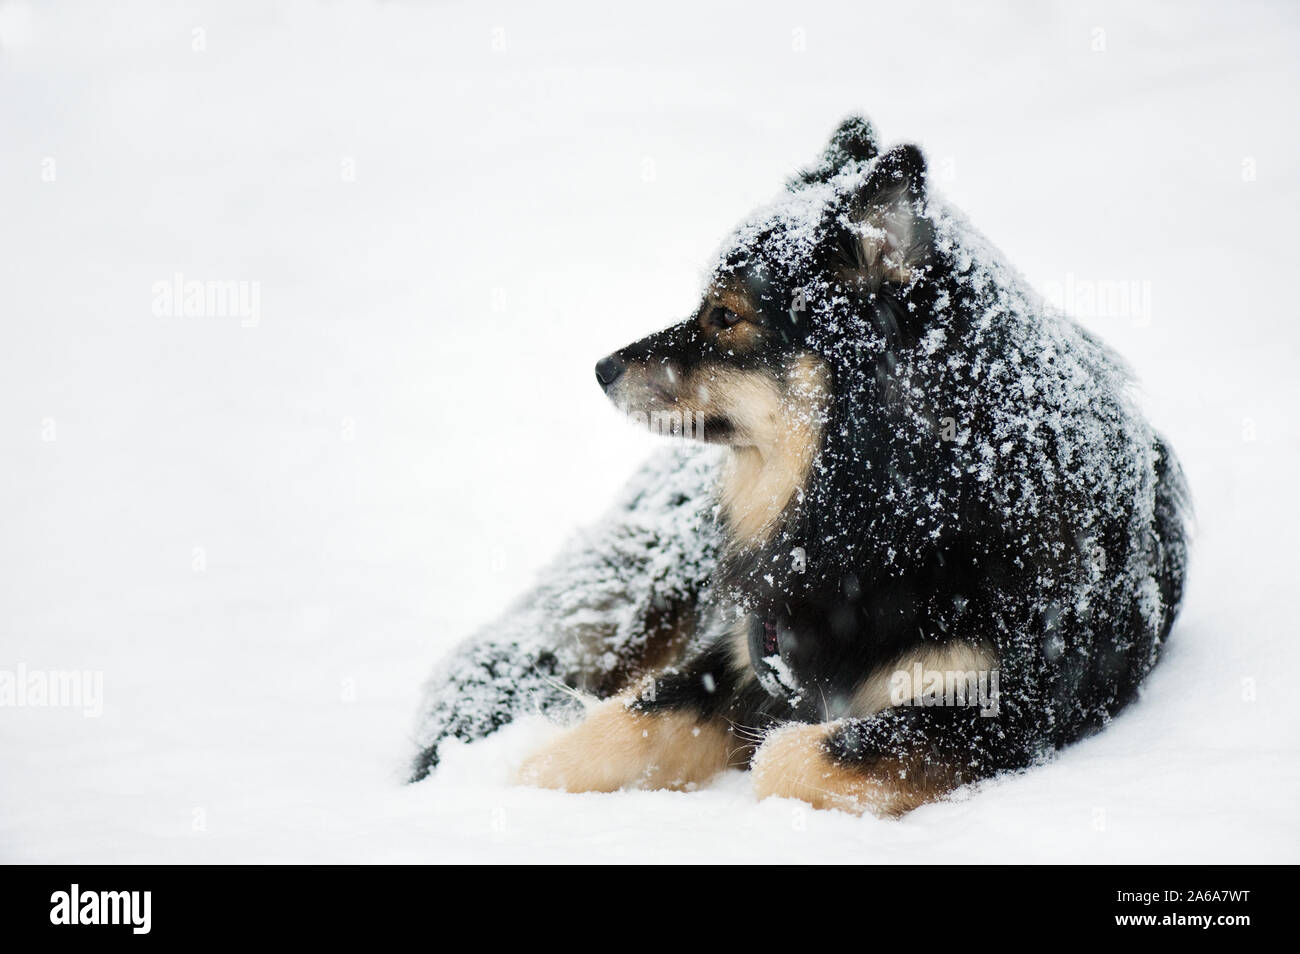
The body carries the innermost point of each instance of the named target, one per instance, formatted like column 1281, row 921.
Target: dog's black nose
column 609, row 370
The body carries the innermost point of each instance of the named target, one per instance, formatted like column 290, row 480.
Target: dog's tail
column 1173, row 510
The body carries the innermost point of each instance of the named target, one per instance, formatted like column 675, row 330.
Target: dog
column 947, row 542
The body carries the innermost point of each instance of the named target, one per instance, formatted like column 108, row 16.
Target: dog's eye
column 723, row 317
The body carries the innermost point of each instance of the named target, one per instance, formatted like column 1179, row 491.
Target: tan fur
column 794, row 762
column 777, row 429
column 874, row 692
column 616, row 747
column 605, row 670
column 882, row 260
column 728, row 297
column 784, row 434
column 739, row 638
column 742, row 336
column 888, row 240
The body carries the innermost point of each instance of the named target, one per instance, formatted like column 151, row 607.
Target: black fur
column 904, row 541
column 982, row 478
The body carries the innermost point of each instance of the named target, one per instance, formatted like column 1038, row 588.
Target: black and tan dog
column 950, row 542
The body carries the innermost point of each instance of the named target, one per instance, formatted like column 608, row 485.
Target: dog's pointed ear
column 887, row 213
column 853, row 140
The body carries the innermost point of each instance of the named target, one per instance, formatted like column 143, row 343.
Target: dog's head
column 750, row 366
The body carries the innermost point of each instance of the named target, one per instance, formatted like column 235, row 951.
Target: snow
column 264, row 534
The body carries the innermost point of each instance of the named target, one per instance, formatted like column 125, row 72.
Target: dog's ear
column 854, row 140
column 892, row 233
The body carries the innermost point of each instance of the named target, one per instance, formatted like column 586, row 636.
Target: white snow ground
column 263, row 537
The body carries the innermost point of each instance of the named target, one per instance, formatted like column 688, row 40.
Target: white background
column 411, row 429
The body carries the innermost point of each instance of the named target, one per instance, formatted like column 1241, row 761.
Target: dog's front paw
column 616, row 747
column 800, row 761
column 794, row 762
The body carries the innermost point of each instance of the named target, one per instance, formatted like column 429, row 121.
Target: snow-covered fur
column 621, row 598
column 928, row 470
